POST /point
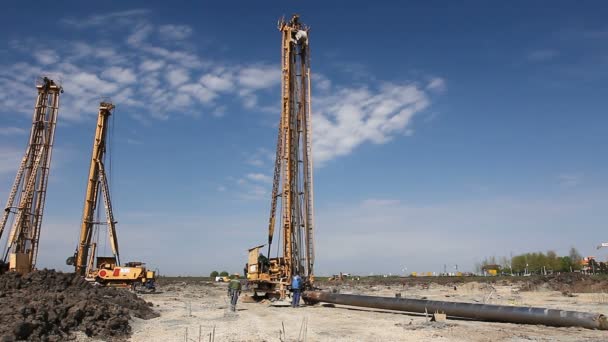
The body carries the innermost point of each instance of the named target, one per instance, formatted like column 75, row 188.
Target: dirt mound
column 47, row 305
column 567, row 283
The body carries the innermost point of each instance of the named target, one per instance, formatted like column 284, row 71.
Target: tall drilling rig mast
column 104, row 270
column 97, row 182
column 293, row 174
column 27, row 197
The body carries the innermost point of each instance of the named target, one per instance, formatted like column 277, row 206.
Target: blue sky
column 442, row 133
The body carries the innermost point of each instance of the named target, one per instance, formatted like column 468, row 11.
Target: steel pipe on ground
column 483, row 312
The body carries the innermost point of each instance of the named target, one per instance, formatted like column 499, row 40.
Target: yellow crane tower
column 29, row 188
column 293, row 176
column 107, row 270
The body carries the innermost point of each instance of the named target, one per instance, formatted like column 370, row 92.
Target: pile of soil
column 577, row 282
column 566, row 283
column 47, row 305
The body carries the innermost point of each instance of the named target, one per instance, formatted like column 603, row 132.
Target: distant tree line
column 537, row 262
column 216, row 273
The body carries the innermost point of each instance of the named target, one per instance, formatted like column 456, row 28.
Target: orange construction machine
column 104, row 270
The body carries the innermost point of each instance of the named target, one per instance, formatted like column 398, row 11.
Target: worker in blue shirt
column 296, row 287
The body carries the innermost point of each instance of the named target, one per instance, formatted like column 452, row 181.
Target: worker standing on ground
column 234, row 290
column 296, row 286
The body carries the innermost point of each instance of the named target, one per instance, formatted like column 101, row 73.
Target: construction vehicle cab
column 132, row 274
column 264, row 275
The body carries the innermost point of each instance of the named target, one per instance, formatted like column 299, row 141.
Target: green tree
column 565, row 263
column 214, row 274
column 553, row 261
column 223, row 274
column 575, row 258
column 519, row 263
column 505, row 264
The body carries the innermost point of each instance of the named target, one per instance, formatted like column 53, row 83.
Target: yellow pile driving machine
column 105, row 271
column 293, row 178
column 28, row 195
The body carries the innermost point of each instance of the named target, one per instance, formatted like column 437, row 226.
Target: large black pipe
column 483, row 312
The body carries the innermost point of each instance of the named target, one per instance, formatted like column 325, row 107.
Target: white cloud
column 140, row 34
column 175, row 32
column 120, row 75
column 258, row 77
column 7, row 131
column 352, row 116
column 260, row 157
column 46, row 56
column 255, row 192
column 436, row 84
column 217, row 82
column 126, row 97
column 151, row 65
column 114, row 18
column 259, row 177
column 199, row 92
column 82, row 53
column 177, row 77
column 21, row 72
column 320, row 82
column 144, row 71
column 250, row 101
column 186, row 59
column 159, row 81
column 181, row 100
column 253, row 187
column 89, row 81
column 9, row 159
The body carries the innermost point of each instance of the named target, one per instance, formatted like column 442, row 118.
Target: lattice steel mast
column 97, row 182
column 293, row 173
column 29, row 188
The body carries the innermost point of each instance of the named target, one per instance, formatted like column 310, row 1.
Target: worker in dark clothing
column 264, row 263
column 296, row 287
column 234, row 290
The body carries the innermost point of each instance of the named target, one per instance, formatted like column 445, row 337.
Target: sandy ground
column 187, row 309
